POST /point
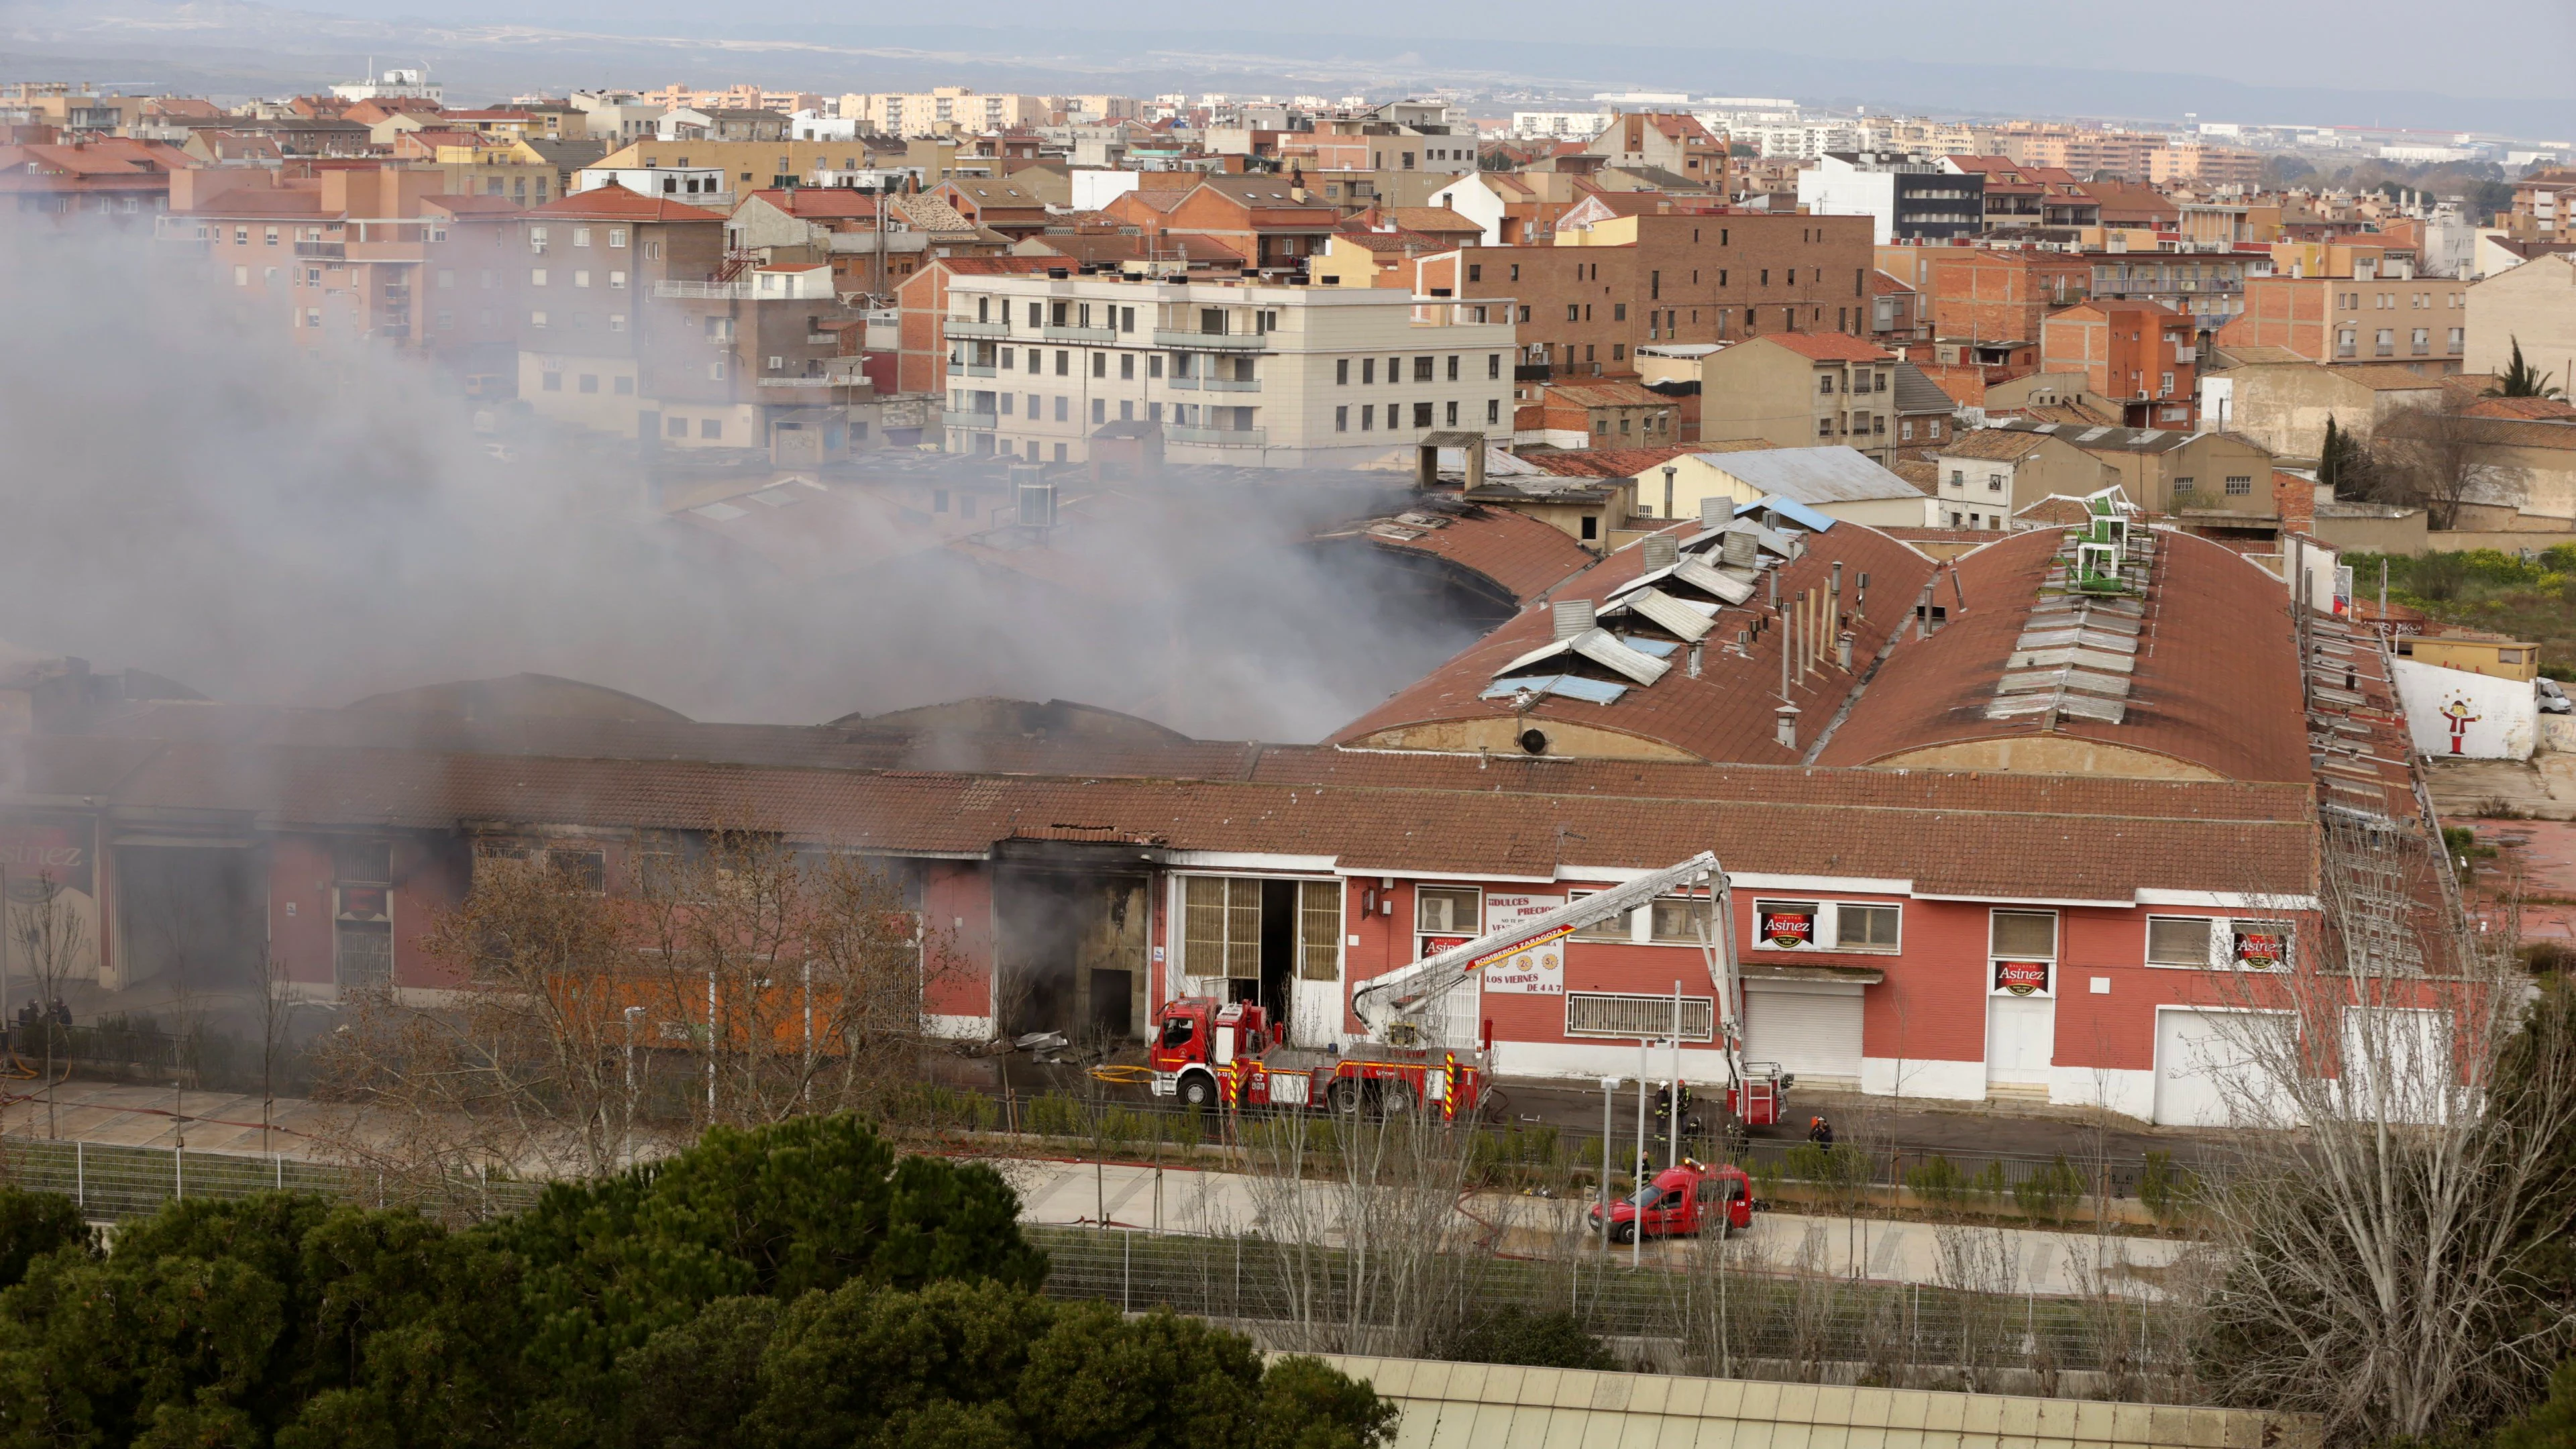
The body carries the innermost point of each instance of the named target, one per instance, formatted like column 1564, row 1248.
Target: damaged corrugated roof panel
column 1591, row 691
column 1603, row 648
column 1653, row 648
column 1725, row 588
column 1674, row 616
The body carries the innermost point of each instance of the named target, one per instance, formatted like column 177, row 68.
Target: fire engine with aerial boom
column 1209, row 1052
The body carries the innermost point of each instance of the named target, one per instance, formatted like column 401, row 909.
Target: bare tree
column 2435, row 458
column 796, row 980
column 2377, row 1265
column 1359, row 1216
column 525, row 1068
column 51, row 940
column 275, row 1017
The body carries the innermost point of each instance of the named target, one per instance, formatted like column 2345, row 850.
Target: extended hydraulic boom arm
column 1401, row 995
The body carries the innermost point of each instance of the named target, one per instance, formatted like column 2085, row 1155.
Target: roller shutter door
column 2203, row 1078
column 1814, row 1034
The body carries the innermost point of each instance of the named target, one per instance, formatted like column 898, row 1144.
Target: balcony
column 1079, row 334
column 1233, row 384
column 970, row 369
column 1190, row 384
column 322, row 251
column 952, row 418
column 969, row 327
column 704, row 291
column 1219, row 437
column 1212, row 341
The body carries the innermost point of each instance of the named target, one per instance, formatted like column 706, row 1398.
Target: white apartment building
column 1246, row 374
column 1559, row 125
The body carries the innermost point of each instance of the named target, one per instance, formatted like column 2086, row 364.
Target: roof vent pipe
column 1662, row 550
column 1573, row 616
column 1788, row 726
column 1842, row 649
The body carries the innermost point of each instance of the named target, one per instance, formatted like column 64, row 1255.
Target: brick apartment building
column 1613, row 283
column 2137, row 355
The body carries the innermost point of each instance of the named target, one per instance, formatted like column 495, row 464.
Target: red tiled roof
column 1611, row 462
column 2216, row 683
column 2520, row 407
column 1724, row 714
column 615, row 203
column 1609, row 392
column 1949, row 833
column 1520, row 556
column 1883, row 285
column 1829, row 346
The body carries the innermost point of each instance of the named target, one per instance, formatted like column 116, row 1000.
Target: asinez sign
column 2261, row 945
column 2021, row 978
column 1788, row 926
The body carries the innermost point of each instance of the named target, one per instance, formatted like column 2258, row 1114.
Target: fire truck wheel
column 1343, row 1096
column 1623, row 1233
column 1197, row 1091
column 1395, row 1098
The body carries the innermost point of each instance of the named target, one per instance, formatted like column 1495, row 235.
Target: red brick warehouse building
column 1986, row 839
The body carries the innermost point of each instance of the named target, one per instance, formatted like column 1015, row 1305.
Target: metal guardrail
column 952, row 418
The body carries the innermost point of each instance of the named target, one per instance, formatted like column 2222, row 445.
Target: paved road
column 145, row 1116
column 1968, row 1133
column 2013, row 1260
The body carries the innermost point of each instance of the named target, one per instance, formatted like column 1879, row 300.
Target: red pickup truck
column 1681, row 1201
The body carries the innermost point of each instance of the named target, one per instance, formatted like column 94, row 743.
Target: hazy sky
column 2505, row 48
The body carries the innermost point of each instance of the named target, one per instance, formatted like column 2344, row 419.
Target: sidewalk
column 129, row 1114
column 1178, row 1201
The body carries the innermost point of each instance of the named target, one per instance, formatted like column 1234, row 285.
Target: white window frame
column 2223, row 931
column 2056, row 952
column 1827, row 936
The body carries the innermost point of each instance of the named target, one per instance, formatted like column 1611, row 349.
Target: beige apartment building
column 2534, row 304
column 943, row 110
column 1244, row 374
column 1801, row 390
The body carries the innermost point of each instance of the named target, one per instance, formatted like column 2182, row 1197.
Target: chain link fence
column 115, row 1183
column 1704, row 1315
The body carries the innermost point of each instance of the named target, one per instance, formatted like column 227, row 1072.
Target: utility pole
column 1645, row 1179
column 1609, row 1096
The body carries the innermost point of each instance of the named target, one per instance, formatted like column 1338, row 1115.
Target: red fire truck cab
column 1210, row 1053
column 1681, row 1201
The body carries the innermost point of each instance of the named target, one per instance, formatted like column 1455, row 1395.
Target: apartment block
column 2346, row 305
column 946, row 109
column 1611, row 283
column 1242, row 373
column 2136, row 354
column 1906, row 196
column 1802, row 390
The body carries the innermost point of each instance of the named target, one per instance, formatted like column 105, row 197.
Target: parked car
column 2554, row 700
